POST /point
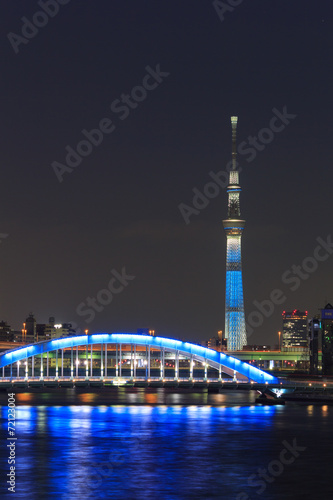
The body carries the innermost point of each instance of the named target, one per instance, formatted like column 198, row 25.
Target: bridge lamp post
column 206, row 364
column 26, row 370
column 18, row 369
column 86, row 363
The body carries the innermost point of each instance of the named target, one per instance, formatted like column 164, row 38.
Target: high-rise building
column 315, row 346
column 295, row 328
column 218, row 343
column 326, row 317
column 53, row 330
column 6, row 333
column 29, row 329
column 37, row 332
column 235, row 332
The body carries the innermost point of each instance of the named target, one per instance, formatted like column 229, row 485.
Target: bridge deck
column 8, row 382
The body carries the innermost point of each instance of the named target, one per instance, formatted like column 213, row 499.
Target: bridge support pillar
column 120, row 360
column 177, row 365
column 77, row 362
column 205, row 370
column 101, row 361
column 11, row 371
column 191, row 367
column 131, row 362
column 148, row 362
column 106, row 360
column 134, row 360
column 26, row 369
column 86, row 362
column 41, row 367
column 72, row 369
column 62, row 363
column 162, row 364
column 57, row 367
column 117, row 362
column 32, row 366
column 220, row 373
column 47, row 363
column 91, row 360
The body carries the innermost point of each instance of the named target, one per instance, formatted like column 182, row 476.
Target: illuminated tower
column 235, row 332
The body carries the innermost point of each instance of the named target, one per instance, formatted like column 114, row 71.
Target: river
column 169, row 446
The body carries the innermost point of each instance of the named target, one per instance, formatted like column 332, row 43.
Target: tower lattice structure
column 235, row 331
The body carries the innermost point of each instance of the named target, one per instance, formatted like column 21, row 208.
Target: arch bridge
column 125, row 357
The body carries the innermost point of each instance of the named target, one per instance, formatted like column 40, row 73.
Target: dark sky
column 120, row 206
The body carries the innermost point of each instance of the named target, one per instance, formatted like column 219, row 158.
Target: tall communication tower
column 235, row 331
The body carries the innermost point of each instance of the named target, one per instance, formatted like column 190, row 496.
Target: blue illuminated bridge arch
column 209, row 357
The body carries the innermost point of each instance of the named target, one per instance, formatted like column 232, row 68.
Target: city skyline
column 119, row 207
column 149, row 347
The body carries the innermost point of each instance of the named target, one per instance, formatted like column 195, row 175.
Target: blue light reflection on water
column 165, row 452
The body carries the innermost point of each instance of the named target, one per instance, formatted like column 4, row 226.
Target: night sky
column 119, row 207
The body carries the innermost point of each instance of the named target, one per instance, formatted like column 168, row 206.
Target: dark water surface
column 173, row 451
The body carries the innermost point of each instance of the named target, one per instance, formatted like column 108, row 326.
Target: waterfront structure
column 326, row 317
column 295, row 328
column 235, row 331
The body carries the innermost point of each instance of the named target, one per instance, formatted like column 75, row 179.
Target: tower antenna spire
column 234, row 120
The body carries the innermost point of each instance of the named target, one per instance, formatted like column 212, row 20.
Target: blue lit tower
column 234, row 302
